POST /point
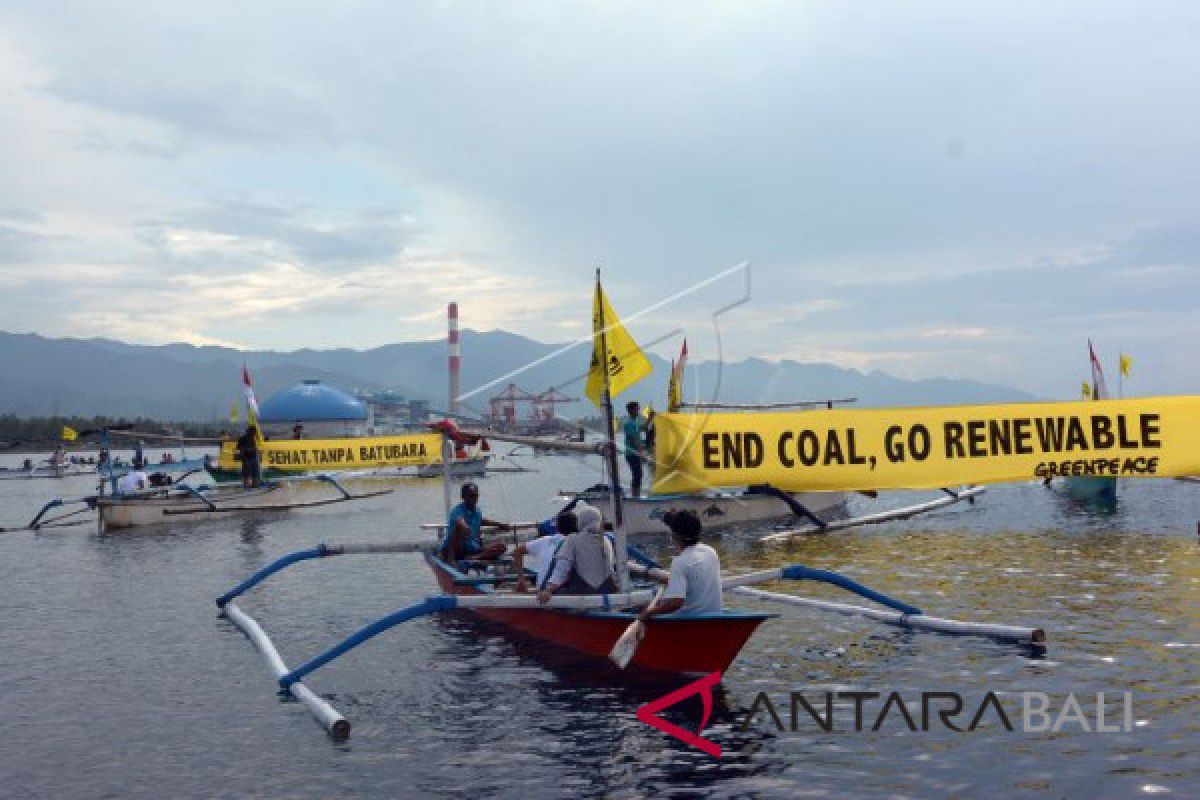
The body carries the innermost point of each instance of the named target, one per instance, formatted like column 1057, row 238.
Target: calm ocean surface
column 119, row 680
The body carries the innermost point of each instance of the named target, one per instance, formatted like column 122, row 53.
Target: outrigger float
column 589, row 626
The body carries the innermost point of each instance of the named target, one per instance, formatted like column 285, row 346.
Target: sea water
column 118, row 678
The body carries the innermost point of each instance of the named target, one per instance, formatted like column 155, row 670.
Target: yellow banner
column 320, row 455
column 627, row 364
column 930, row 447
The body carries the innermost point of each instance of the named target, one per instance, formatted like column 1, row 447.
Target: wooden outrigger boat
column 46, row 470
column 718, row 510
column 697, row 644
column 1101, row 489
column 179, row 501
column 156, row 506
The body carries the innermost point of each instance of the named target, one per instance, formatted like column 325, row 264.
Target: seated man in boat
column 464, row 530
column 551, row 534
column 694, row 585
column 134, row 480
column 585, row 564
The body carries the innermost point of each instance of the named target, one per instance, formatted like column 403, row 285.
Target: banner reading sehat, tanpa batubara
column 371, row 452
column 928, row 447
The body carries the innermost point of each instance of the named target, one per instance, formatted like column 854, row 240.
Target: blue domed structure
column 312, row 401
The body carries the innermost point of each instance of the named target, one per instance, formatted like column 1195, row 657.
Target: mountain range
column 42, row 376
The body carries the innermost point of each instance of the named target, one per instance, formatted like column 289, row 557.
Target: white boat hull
column 717, row 511
column 150, row 508
column 464, row 468
column 46, row 471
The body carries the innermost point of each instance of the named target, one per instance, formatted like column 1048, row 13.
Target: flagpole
column 614, row 476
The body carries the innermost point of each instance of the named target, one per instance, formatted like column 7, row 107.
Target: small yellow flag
column 1087, row 391
column 69, row 434
column 1126, row 363
column 233, row 413
column 674, row 393
column 626, row 362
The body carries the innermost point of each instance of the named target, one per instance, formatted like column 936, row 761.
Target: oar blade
column 623, row 651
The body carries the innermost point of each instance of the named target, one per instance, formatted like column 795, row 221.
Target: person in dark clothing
column 247, row 450
column 635, row 446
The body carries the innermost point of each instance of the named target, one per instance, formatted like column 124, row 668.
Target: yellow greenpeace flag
column 69, row 434
column 1126, row 363
column 930, row 447
column 626, row 363
column 1087, row 391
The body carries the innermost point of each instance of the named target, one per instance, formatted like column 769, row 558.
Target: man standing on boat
column 586, row 563
column 635, row 445
column 247, row 450
column 694, row 585
column 464, row 530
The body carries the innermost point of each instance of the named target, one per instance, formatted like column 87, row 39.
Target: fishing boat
column 469, row 467
column 156, row 506
column 45, row 470
column 1101, row 489
column 718, row 510
column 697, row 644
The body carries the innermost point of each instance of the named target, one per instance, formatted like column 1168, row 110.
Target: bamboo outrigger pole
column 614, row 477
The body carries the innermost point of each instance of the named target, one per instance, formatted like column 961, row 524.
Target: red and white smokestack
column 455, row 353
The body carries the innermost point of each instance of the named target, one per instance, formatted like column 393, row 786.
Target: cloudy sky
column 954, row 189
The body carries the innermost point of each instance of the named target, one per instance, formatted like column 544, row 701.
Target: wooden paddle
column 623, row 651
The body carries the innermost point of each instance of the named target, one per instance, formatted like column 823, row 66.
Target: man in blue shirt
column 464, row 530
column 635, row 445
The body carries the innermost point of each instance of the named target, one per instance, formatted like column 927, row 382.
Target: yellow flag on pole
column 1087, row 391
column 69, row 434
column 233, row 413
column 1126, row 363
column 627, row 364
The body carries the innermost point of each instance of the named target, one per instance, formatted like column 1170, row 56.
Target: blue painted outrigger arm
column 55, row 503
column 320, row 551
column 799, row 572
column 430, row 605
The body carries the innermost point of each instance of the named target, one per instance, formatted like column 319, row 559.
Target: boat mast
column 614, row 477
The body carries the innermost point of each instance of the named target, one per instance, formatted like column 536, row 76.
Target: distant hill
column 41, row 376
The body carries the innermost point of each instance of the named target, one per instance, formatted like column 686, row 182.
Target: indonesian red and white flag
column 248, row 390
column 1099, row 389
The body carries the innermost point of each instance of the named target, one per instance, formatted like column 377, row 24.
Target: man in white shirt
column 550, row 535
column 133, row 480
column 694, row 584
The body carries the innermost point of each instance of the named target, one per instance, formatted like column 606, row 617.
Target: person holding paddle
column 694, row 584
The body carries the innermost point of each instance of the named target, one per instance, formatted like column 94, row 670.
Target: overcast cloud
column 958, row 189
